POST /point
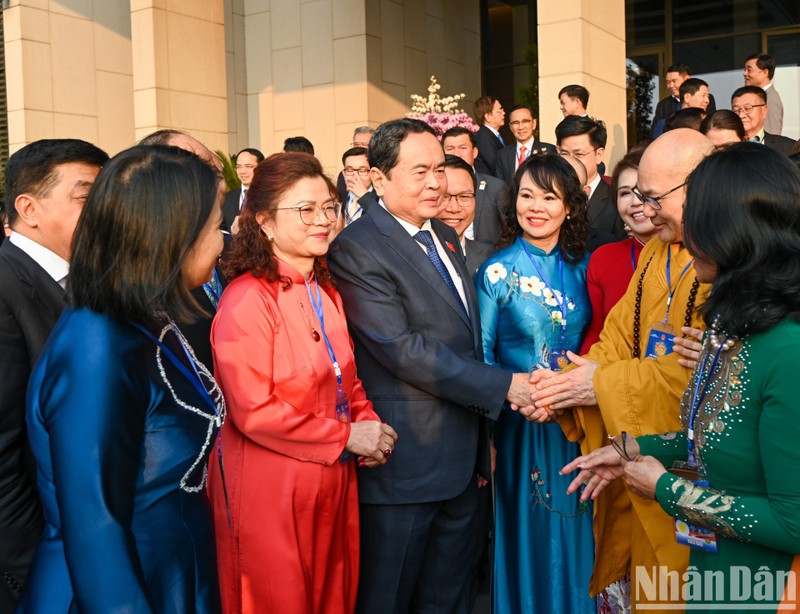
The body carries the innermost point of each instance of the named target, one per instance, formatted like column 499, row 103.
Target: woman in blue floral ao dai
column 534, row 307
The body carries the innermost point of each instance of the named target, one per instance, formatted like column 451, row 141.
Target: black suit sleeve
column 376, row 314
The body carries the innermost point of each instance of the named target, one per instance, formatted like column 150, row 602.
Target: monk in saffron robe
column 630, row 380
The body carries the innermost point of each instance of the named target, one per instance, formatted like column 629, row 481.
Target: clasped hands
column 598, row 468
column 544, row 394
column 372, row 442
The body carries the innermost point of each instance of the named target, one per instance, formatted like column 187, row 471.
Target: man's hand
column 520, row 391
column 559, row 391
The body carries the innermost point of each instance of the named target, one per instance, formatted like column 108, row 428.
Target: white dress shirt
column 53, row 264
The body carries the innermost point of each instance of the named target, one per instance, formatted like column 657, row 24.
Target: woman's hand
column 371, row 440
column 642, row 476
column 688, row 348
column 597, row 470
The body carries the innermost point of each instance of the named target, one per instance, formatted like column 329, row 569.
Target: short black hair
column 553, row 173
column 384, row 146
column 742, row 213
column 681, row 69
column 451, row 161
column 576, row 91
column 298, row 143
column 572, row 125
column 685, row 118
column 723, row 119
column 520, row 106
column 253, row 152
column 764, row 62
column 459, row 131
column 691, row 86
column 354, row 151
column 144, row 212
column 34, row 168
column 161, row 137
column 749, row 89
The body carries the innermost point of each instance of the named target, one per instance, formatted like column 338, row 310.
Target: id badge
column 343, row 415
column 659, row 341
column 699, row 538
column 558, row 359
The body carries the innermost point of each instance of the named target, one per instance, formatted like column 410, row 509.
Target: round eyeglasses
column 309, row 213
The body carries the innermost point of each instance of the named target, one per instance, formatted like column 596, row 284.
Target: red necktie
column 522, row 156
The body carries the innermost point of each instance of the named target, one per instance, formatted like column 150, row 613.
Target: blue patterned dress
column 544, row 547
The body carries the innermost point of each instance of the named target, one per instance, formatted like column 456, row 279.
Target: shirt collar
column 408, row 226
column 528, row 144
column 594, row 183
column 496, row 132
column 53, row 264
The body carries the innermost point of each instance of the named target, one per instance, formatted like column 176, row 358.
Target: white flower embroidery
column 531, row 284
column 551, row 300
column 557, row 317
column 496, row 272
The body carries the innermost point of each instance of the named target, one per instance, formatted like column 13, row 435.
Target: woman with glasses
column 612, row 265
column 286, row 508
column 534, row 308
column 731, row 477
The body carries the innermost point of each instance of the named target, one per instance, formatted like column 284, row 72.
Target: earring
column 264, row 233
column 567, row 215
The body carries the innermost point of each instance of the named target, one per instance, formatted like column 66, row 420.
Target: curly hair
column 251, row 251
column 552, row 173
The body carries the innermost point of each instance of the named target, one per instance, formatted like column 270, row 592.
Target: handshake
column 543, row 395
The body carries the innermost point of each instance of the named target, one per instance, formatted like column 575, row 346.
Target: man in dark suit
column 522, row 124
column 459, row 207
column 359, row 195
column 675, row 76
column 246, row 162
column 416, row 331
column 750, row 104
column 585, row 138
column 361, row 136
column 490, row 192
column 46, row 185
column 489, row 115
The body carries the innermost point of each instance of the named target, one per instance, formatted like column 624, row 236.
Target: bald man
column 630, row 380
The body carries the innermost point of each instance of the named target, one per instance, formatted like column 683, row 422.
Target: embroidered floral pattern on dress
column 541, row 496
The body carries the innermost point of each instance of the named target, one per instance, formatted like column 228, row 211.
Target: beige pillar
column 68, row 71
column 583, row 42
column 179, row 68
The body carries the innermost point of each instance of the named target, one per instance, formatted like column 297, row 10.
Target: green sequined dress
column 747, row 436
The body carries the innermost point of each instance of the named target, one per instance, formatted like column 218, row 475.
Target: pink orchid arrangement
column 441, row 114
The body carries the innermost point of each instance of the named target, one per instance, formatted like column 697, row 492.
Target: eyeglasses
column 467, row 199
column 622, row 449
column 350, row 171
column 653, row 200
column 746, row 108
column 309, row 213
column 247, row 166
column 578, row 155
column 520, row 122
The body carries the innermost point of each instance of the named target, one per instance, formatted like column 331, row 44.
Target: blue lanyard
column 562, row 303
column 195, row 378
column 633, row 254
column 697, row 399
column 213, row 289
column 317, row 306
column 669, row 280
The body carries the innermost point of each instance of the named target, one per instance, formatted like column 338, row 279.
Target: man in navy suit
column 46, row 186
column 414, row 317
column 246, row 162
column 490, row 116
column 585, row 138
column 523, row 126
column 490, row 192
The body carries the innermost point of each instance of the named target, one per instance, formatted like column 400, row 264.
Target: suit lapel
column 409, row 250
column 45, row 292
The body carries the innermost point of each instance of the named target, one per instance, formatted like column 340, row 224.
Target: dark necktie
column 426, row 239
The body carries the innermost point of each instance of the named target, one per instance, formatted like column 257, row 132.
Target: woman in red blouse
column 612, row 266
